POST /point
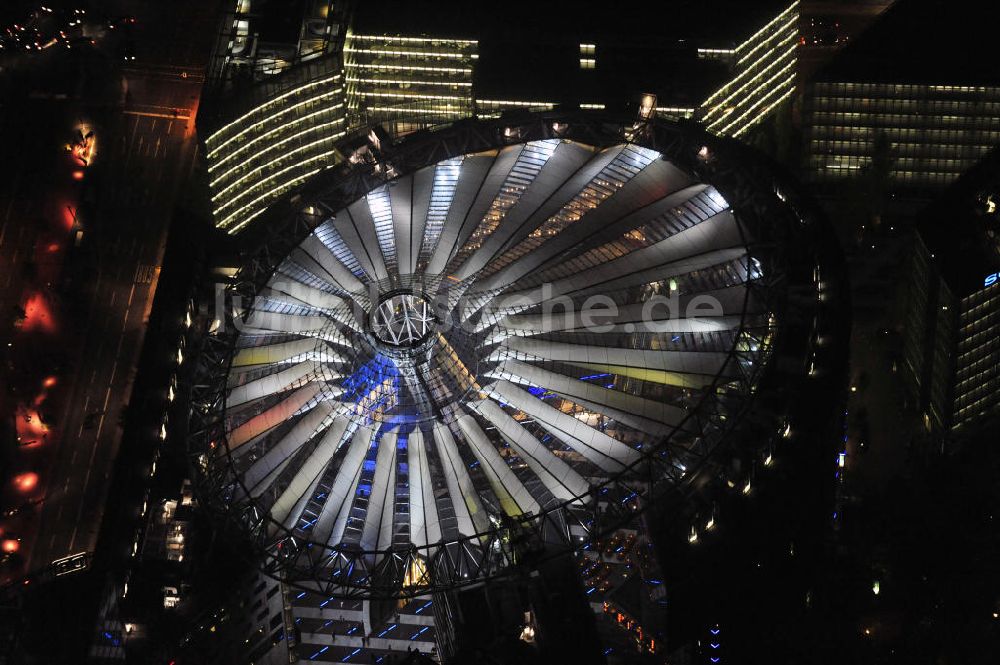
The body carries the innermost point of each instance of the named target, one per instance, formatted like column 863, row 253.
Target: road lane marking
column 90, row 464
column 144, row 273
column 159, row 115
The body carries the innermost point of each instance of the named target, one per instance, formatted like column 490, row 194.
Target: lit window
column 588, row 63
column 588, row 49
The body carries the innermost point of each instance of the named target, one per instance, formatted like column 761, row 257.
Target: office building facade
column 936, row 132
column 763, row 76
column 410, row 77
column 951, row 346
column 275, row 114
column 280, row 136
column 937, row 106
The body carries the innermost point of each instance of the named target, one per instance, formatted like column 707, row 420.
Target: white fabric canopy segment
column 409, row 377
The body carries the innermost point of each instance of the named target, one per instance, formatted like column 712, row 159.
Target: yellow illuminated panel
column 764, row 76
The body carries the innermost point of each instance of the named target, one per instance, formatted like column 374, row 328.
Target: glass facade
column 951, row 348
column 409, row 77
column 936, row 132
column 491, row 108
column 275, row 144
column 287, row 133
column 977, row 378
column 255, row 44
column 763, row 68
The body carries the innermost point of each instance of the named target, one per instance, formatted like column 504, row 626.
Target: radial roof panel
column 608, row 318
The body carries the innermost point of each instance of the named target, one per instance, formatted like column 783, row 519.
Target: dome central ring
column 402, row 319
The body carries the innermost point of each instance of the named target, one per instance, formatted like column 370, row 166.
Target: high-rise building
column 828, row 26
column 763, row 71
column 938, row 106
column 392, row 76
column 260, row 39
column 282, row 95
column 951, row 342
column 275, row 140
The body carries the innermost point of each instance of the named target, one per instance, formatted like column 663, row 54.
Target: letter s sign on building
column 991, row 279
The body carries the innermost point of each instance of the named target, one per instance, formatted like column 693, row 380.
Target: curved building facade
column 276, row 141
column 499, row 335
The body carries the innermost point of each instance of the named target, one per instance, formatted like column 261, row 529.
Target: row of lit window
column 438, row 110
column 973, row 376
column 500, row 104
column 975, row 303
column 988, row 401
column 407, row 83
column 877, row 119
column 397, row 68
column 782, row 35
column 964, row 106
column 983, row 339
column 270, row 110
column 259, row 183
column 836, row 172
column 980, row 316
column 861, row 147
column 380, row 94
column 284, row 157
column 236, row 176
column 274, row 126
column 987, row 388
column 749, row 78
column 397, row 39
column 392, row 55
column 976, row 143
column 911, row 90
column 262, row 172
column 778, row 93
column 899, row 163
column 978, row 139
column 237, row 221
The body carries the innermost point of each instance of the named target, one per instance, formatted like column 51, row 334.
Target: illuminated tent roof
column 507, row 334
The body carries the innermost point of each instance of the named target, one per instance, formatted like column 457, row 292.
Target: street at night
column 105, row 253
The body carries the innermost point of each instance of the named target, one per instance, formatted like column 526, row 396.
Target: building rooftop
column 280, row 20
column 946, row 42
column 961, row 228
column 531, row 51
column 550, row 72
column 713, row 23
